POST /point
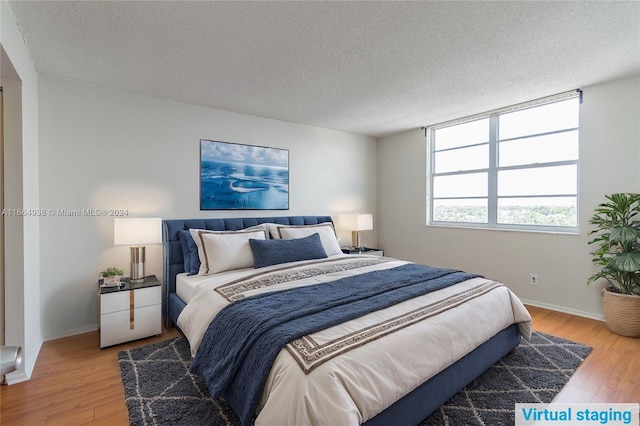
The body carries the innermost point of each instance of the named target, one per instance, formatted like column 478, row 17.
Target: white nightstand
column 362, row 250
column 130, row 312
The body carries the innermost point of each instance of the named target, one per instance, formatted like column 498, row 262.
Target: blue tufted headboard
column 173, row 259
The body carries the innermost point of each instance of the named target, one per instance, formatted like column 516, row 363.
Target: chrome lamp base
column 137, row 265
column 355, row 239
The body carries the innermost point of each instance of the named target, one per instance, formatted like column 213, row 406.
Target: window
column 513, row 168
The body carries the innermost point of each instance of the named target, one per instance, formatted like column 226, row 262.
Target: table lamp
column 136, row 232
column 356, row 223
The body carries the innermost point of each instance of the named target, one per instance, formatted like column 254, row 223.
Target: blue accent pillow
column 274, row 252
column 190, row 253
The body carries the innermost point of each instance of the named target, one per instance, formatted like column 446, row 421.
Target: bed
column 350, row 371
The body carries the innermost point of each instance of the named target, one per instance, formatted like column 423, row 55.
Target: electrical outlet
column 533, row 279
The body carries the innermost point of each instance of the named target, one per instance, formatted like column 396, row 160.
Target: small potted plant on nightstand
column 617, row 255
column 111, row 276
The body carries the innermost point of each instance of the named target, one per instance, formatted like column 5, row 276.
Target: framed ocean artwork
column 243, row 177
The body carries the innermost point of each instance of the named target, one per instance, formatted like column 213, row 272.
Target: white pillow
column 273, row 230
column 224, row 250
column 259, row 227
column 326, row 231
column 270, row 228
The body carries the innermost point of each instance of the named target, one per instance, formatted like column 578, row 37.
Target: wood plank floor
column 76, row 383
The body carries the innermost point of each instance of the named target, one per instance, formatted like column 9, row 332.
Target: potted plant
column 111, row 276
column 617, row 255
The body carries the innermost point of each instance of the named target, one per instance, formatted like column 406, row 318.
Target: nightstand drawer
column 123, row 326
column 130, row 312
column 120, row 301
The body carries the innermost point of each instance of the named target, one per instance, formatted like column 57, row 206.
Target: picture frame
column 236, row 176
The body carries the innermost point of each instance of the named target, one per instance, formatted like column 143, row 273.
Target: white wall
column 609, row 154
column 104, row 148
column 22, row 254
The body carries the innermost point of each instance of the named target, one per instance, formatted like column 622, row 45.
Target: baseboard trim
column 15, row 377
column 73, row 332
column 563, row 309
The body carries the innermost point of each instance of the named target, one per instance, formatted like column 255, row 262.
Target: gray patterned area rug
column 159, row 389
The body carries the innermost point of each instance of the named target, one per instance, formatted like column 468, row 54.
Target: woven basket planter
column 622, row 313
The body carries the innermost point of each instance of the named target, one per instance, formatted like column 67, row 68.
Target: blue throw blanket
column 241, row 343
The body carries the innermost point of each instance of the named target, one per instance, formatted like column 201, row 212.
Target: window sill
column 563, row 231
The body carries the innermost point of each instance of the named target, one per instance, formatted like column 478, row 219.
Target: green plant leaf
column 616, row 237
column 627, row 262
column 623, row 234
column 112, row 271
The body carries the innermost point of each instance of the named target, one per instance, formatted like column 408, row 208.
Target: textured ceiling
column 373, row 68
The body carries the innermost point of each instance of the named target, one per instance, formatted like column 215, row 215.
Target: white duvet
column 354, row 386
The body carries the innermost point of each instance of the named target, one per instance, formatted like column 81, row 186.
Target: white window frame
column 492, row 170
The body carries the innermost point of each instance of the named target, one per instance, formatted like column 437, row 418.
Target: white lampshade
column 356, row 222
column 137, row 231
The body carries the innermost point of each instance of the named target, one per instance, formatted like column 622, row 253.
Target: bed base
column 409, row 410
column 429, row 396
